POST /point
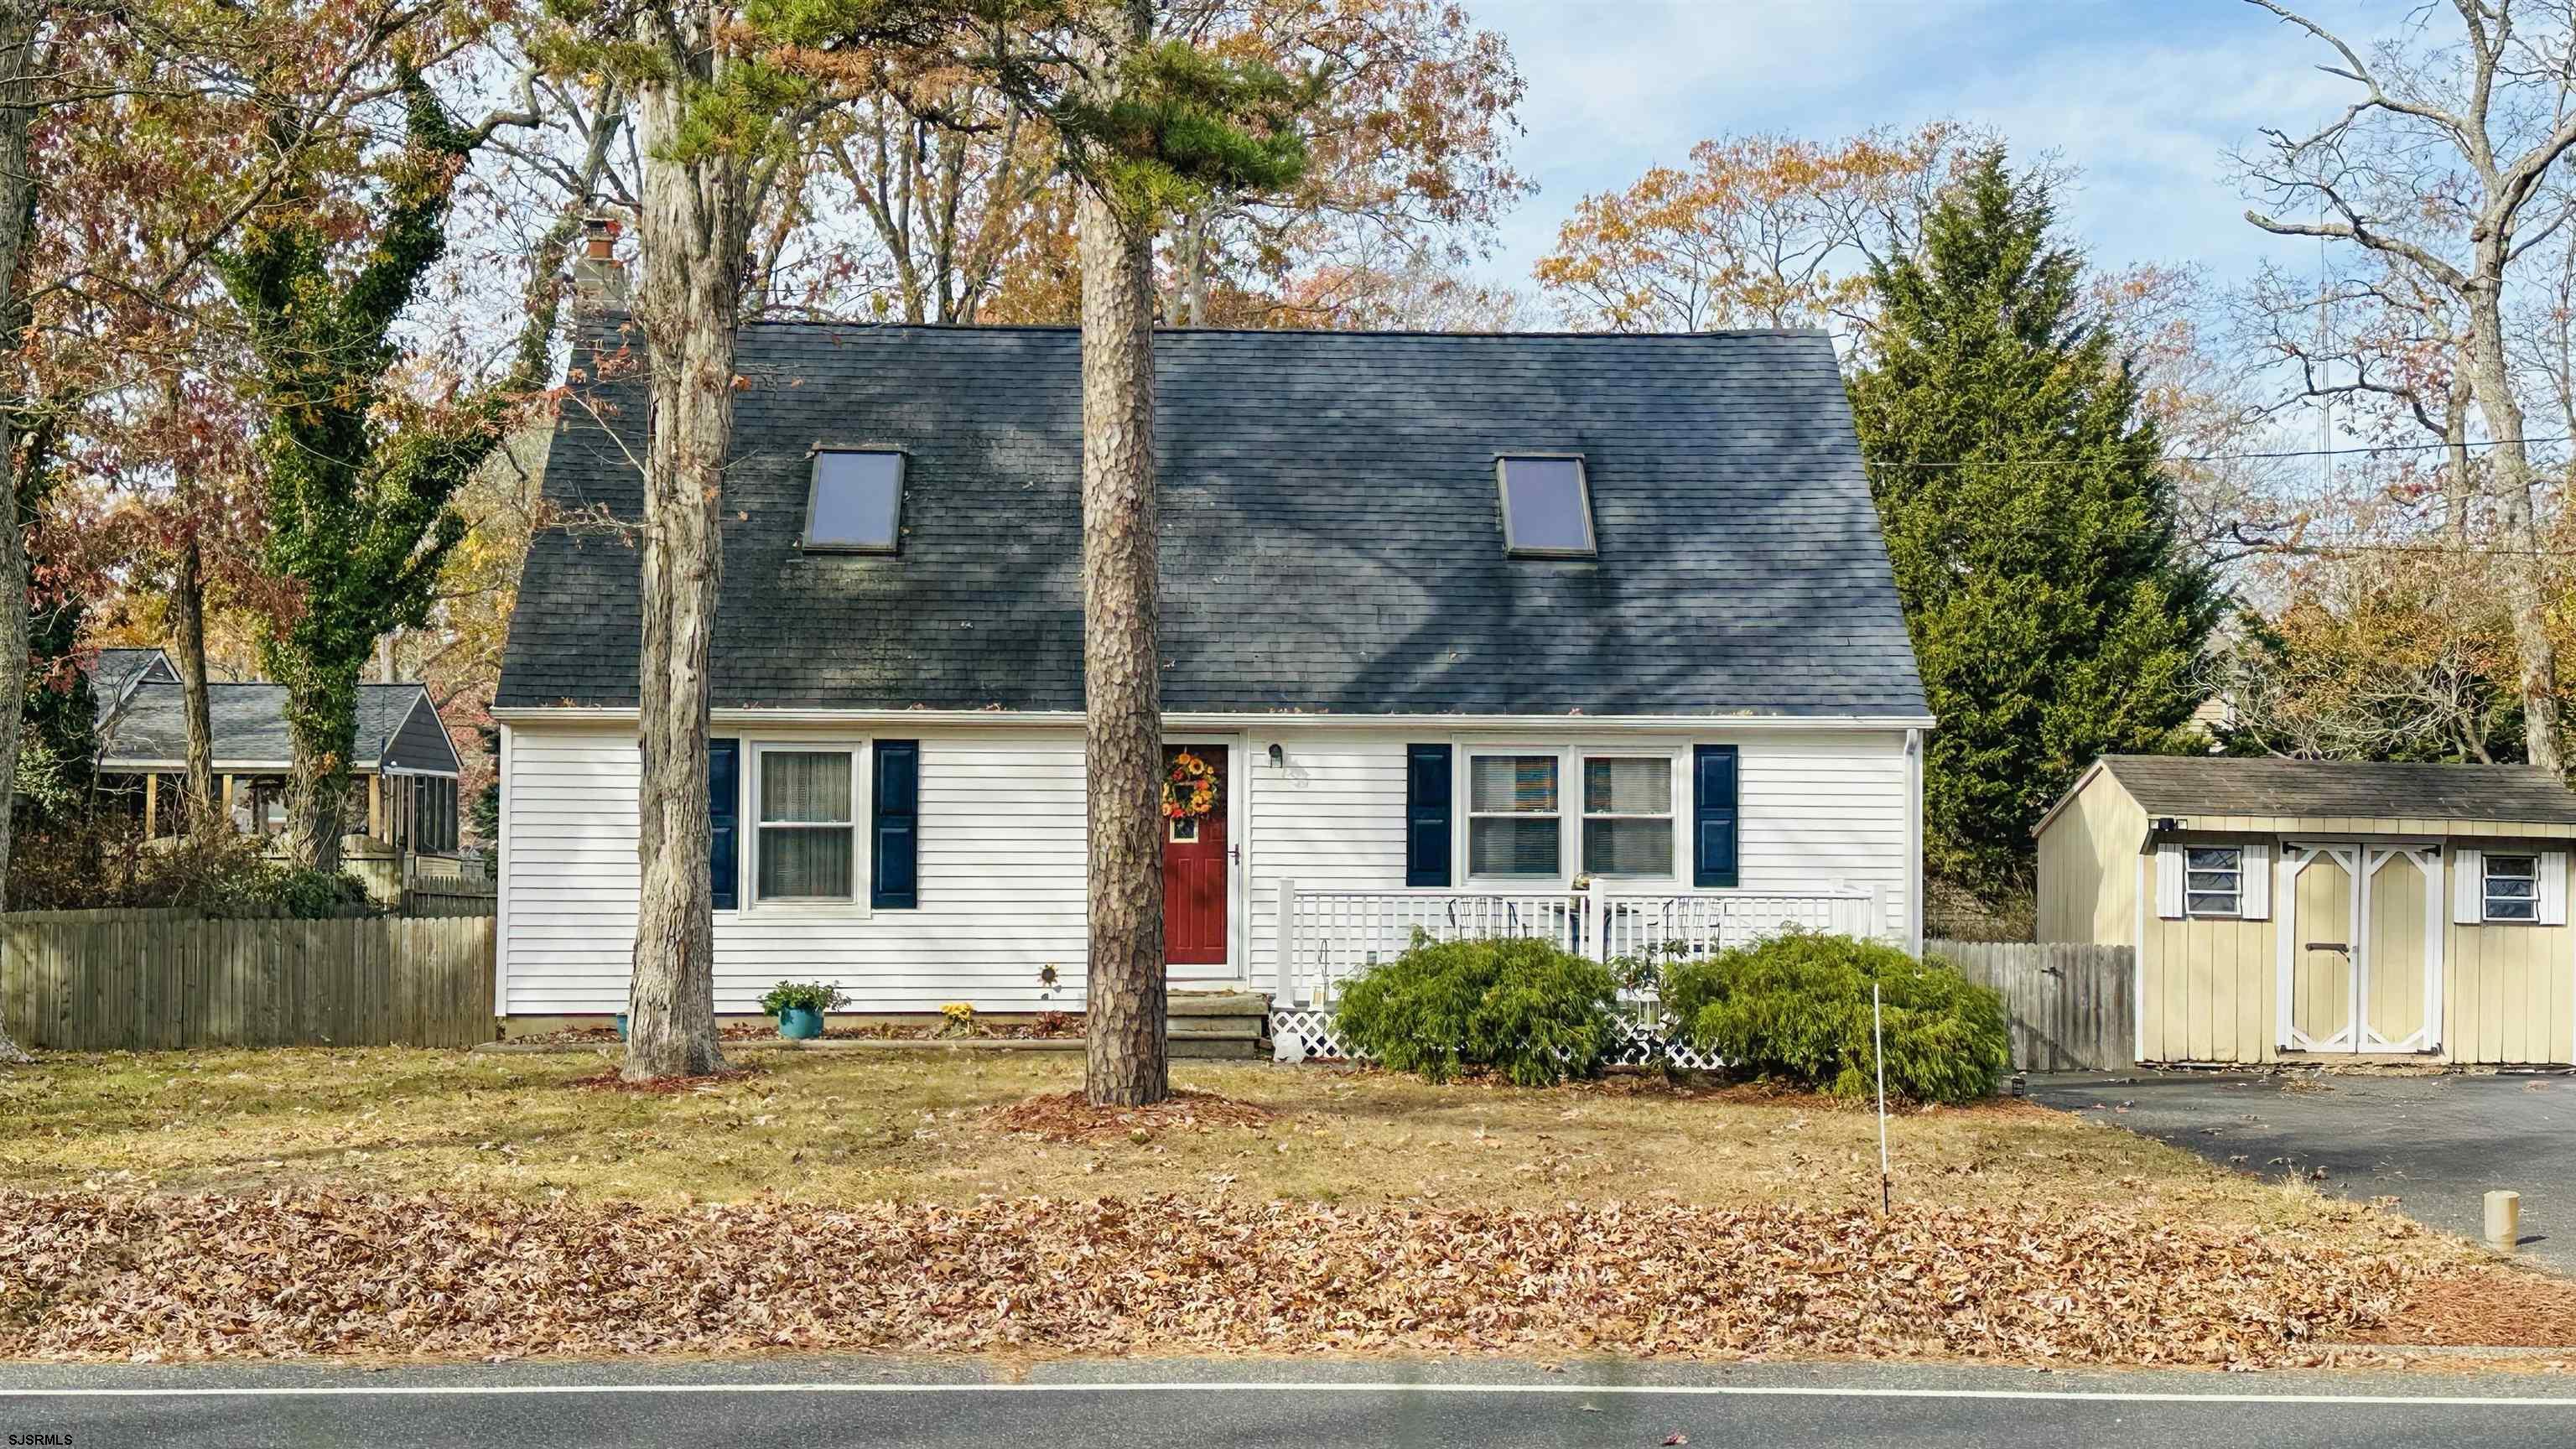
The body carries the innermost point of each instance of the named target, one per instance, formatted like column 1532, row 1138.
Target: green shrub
column 1798, row 1007
column 273, row 887
column 101, row 861
column 1539, row 1014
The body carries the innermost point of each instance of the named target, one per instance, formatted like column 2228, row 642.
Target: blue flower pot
column 798, row 1023
column 621, row 1026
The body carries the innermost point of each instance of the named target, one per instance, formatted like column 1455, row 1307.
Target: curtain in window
column 1627, row 787
column 1628, row 847
column 1500, row 787
column 1510, row 784
column 805, row 789
column 805, row 864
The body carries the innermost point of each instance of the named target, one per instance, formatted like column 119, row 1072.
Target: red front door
column 1194, row 870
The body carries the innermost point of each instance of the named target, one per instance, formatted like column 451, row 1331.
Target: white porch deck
column 1326, row 937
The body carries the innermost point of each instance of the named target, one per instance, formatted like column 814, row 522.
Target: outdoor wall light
column 1278, row 756
column 2167, row 825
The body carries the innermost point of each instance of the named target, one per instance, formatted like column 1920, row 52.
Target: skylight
column 855, row 504
column 1547, row 507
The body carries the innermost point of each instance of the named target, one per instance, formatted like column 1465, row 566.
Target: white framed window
column 1515, row 814
column 2213, row 880
column 2511, row 890
column 1628, row 818
column 806, row 804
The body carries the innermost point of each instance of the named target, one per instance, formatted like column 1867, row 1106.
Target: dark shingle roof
column 1330, row 533
column 2188, row 785
column 249, row 723
column 118, row 668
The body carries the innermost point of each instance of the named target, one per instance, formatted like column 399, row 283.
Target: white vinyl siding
column 1001, row 854
column 1001, row 858
column 1816, row 809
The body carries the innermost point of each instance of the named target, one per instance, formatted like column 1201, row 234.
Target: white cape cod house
column 1585, row 636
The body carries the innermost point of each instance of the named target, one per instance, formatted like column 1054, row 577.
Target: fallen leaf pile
column 611, row 1081
column 89, row 1275
column 1070, row 1117
column 2487, row 1305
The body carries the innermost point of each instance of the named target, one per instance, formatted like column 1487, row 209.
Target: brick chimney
column 598, row 277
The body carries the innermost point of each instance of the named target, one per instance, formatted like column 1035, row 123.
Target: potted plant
column 799, row 1007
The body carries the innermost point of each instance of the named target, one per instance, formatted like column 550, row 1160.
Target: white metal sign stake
column 1878, row 1049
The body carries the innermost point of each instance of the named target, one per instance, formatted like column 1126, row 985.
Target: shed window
column 808, row 825
column 1547, row 507
column 1512, row 815
column 1628, row 816
column 855, row 504
column 2214, row 880
column 2513, row 887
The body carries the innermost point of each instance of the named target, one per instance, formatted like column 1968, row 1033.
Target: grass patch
column 831, row 1129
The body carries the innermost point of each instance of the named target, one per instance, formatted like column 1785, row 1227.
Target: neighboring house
column 2317, row 909
column 1461, row 624
column 405, row 764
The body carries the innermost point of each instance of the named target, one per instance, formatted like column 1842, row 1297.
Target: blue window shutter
column 1713, row 816
column 896, row 810
column 724, row 806
column 1426, row 815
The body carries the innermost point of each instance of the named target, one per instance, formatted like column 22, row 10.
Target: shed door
column 2321, row 958
column 2401, row 985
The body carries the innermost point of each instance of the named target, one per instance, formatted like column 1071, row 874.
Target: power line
column 2220, row 457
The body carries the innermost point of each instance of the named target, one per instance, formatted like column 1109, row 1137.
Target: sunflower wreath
column 1189, row 788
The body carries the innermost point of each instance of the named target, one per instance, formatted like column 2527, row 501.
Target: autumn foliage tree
column 1757, row 231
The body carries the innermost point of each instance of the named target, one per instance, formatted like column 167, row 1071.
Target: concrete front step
column 1219, row 1023
column 1252, row 1004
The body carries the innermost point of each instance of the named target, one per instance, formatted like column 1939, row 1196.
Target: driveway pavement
column 2435, row 1143
column 1486, row 1404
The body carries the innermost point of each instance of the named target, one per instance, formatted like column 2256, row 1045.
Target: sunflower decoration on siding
column 1189, row 788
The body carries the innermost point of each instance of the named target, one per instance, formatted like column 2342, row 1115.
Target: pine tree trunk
column 188, row 640
column 2526, row 586
column 18, row 24
column 1125, row 1024
column 693, row 237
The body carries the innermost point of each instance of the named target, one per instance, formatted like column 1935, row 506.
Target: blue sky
column 2145, row 97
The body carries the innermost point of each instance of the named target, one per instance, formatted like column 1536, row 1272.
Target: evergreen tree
column 2054, row 612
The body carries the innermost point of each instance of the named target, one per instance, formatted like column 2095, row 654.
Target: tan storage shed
column 2324, row 909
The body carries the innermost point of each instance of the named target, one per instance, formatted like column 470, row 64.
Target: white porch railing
column 1328, row 936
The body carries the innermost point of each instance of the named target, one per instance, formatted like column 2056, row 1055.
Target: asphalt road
column 805, row 1403
column 2434, row 1143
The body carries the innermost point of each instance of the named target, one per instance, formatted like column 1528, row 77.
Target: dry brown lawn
column 840, row 1129
column 388, row 1202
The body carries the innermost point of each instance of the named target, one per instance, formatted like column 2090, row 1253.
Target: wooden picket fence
column 2072, row 1007
column 163, row 980
column 433, row 896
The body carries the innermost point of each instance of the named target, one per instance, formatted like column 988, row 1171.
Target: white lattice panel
column 1305, row 1033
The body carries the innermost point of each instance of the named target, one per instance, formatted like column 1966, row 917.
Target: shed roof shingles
column 1330, row 531
column 2188, row 785
column 249, row 724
